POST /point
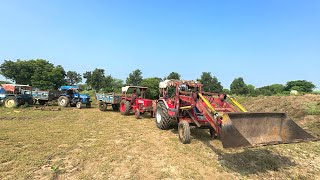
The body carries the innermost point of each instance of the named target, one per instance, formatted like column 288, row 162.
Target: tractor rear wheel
column 103, row 106
column 42, row 102
column 115, row 107
column 125, row 107
column 63, row 101
column 163, row 119
column 79, row 105
column 10, row 102
column 137, row 114
column 184, row 132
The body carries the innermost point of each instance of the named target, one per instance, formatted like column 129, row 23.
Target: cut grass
column 89, row 144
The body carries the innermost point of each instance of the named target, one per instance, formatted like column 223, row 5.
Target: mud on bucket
column 258, row 129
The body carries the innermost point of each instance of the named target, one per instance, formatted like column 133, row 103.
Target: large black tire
column 103, row 106
column 125, row 107
column 10, row 102
column 163, row 120
column 63, row 101
column 115, row 107
column 42, row 102
column 30, row 101
column 184, row 132
column 137, row 114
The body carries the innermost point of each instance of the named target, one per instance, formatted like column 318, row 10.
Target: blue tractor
column 70, row 96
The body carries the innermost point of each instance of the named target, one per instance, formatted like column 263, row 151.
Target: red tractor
column 185, row 103
column 133, row 100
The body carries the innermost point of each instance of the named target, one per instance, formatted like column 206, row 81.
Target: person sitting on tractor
column 133, row 97
column 2, row 91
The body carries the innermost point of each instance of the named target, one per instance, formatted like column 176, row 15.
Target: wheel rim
column 180, row 129
column 78, row 105
column 10, row 103
column 158, row 116
column 122, row 107
column 62, row 102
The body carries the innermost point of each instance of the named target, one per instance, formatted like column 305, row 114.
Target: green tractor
column 15, row 95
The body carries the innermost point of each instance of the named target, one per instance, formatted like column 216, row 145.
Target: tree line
column 44, row 75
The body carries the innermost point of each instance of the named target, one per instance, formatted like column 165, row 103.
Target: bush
column 312, row 108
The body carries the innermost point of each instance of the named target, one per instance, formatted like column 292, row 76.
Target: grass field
column 89, row 144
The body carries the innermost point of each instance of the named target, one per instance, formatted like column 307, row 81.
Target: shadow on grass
column 244, row 161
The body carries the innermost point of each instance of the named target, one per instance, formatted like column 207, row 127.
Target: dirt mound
column 294, row 106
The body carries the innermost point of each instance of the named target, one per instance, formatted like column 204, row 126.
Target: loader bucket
column 258, row 129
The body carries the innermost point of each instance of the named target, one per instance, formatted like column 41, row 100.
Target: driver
column 134, row 97
column 2, row 91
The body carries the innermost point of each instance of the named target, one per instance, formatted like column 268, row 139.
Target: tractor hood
column 84, row 96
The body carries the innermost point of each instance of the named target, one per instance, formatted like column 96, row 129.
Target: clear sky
column 263, row 41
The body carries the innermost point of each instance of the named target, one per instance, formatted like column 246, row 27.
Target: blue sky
column 265, row 41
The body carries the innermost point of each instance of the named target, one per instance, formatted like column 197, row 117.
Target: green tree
column 135, row 78
column 97, row 80
column 117, row 84
column 87, row 75
column 239, row 87
column 21, row 71
column 300, row 85
column 271, row 89
column 153, row 87
column 210, row 84
column 73, row 78
column 38, row 73
column 45, row 77
column 173, row 75
column 226, row 91
column 251, row 89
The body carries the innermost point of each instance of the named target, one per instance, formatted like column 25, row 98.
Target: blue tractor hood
column 84, row 96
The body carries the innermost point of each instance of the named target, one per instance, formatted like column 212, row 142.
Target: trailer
column 108, row 99
column 43, row 97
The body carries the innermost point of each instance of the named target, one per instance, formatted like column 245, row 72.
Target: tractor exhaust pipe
column 259, row 129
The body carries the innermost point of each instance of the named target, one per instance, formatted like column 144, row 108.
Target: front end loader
column 184, row 103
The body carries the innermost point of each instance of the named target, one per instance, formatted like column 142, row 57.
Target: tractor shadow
column 245, row 161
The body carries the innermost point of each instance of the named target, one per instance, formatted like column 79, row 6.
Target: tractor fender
column 171, row 111
column 165, row 103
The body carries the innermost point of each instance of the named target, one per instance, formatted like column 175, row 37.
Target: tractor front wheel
column 103, row 106
column 213, row 133
column 137, row 114
column 42, row 102
column 63, row 101
column 184, row 132
column 30, row 101
column 10, row 102
column 125, row 107
column 79, row 105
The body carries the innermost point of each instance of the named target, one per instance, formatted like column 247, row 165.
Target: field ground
column 89, row 144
